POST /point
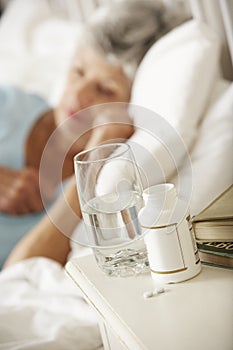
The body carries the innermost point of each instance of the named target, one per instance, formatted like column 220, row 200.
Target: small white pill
column 152, row 293
column 160, row 290
column 148, row 294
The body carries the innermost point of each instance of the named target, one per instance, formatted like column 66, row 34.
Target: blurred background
column 37, row 38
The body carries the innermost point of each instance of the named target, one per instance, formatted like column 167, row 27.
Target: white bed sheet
column 41, row 308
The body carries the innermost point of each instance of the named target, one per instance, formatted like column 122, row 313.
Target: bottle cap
column 160, row 201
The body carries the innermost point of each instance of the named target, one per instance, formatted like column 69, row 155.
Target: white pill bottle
column 165, row 221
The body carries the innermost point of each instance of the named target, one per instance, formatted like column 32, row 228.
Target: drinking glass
column 110, row 195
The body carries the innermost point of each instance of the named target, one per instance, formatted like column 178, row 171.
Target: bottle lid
column 160, row 201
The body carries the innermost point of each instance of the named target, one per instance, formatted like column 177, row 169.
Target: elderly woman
column 109, row 51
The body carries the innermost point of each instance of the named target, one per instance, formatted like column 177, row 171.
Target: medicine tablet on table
column 148, row 294
column 160, row 290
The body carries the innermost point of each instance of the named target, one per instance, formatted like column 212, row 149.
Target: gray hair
column 125, row 29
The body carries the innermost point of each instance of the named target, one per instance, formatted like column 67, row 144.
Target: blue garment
column 18, row 113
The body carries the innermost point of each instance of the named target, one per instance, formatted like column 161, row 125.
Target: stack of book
column 213, row 229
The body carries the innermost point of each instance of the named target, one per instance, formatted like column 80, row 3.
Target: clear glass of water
column 110, row 195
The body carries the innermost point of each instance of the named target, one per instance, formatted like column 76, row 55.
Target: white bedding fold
column 41, row 308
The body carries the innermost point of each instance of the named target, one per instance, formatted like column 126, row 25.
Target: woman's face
column 92, row 80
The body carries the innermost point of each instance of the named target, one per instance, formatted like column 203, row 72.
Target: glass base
column 123, row 262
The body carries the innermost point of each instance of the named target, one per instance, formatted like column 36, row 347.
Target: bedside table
column 192, row 315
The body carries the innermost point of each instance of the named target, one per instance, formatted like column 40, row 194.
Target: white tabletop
column 192, row 315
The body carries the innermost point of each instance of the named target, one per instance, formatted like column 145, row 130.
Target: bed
column 40, row 308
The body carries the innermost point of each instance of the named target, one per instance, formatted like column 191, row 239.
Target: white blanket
column 41, row 308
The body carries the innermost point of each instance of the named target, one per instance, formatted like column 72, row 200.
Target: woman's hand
column 20, row 191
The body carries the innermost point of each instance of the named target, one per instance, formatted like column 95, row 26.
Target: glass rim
column 76, row 160
column 158, row 189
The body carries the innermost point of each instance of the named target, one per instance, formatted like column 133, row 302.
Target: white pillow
column 213, row 152
column 175, row 80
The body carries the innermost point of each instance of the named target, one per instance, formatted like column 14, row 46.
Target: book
column 216, row 253
column 215, row 222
